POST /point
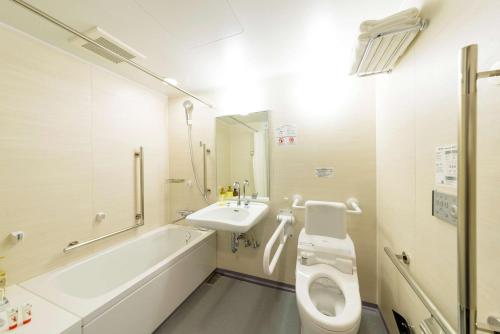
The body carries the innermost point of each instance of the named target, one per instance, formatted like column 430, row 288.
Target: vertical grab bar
column 467, row 192
column 466, row 228
column 205, row 190
column 139, row 215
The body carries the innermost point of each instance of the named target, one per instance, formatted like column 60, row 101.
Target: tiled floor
column 238, row 307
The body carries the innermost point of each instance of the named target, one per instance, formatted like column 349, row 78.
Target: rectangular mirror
column 242, row 148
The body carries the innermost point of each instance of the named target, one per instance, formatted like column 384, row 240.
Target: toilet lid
column 349, row 317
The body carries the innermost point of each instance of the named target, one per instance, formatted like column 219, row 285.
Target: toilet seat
column 350, row 316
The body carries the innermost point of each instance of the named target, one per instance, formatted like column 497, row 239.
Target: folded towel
column 384, row 28
column 407, row 14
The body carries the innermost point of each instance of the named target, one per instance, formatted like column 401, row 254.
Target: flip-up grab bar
column 282, row 232
column 139, row 215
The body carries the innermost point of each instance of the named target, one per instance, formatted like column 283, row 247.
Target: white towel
column 397, row 18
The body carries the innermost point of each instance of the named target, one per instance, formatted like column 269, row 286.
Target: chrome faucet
column 236, row 186
column 245, row 184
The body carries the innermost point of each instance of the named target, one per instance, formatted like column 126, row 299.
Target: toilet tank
column 326, row 219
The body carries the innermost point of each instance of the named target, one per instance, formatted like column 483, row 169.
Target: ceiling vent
column 109, row 42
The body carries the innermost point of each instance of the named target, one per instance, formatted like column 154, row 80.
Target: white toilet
column 326, row 281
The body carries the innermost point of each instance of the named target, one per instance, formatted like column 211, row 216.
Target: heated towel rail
column 139, row 215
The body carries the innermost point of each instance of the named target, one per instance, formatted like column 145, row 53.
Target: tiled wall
column 417, row 109
column 336, row 128
column 68, row 131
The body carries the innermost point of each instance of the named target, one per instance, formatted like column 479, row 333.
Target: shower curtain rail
column 141, row 68
column 429, row 305
column 139, row 215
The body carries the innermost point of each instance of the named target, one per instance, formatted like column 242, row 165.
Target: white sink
column 229, row 216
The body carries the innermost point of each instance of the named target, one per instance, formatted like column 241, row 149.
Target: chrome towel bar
column 429, row 305
column 139, row 215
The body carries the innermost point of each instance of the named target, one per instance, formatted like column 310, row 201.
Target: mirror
column 242, row 147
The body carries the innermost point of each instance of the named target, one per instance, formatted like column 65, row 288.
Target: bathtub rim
column 90, row 308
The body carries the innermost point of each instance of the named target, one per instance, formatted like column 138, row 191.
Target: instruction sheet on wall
column 286, row 134
column 446, row 165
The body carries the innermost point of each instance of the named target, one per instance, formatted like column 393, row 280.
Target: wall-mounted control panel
column 444, row 207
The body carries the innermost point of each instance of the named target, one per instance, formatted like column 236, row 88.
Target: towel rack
column 352, row 204
column 429, row 305
column 383, row 49
column 139, row 215
column 282, row 231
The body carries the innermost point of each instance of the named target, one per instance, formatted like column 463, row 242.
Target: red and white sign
column 286, row 135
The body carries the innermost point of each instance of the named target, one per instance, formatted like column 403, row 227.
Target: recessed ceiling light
column 171, row 81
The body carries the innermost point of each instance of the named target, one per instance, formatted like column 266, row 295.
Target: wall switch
column 444, row 207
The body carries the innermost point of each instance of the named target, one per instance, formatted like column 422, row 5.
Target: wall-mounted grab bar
column 467, row 192
column 139, row 215
column 429, row 305
column 352, row 205
column 285, row 222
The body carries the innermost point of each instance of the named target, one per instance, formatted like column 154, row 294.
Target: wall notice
column 446, row 165
column 286, row 135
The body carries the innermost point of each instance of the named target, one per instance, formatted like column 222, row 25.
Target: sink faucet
column 245, row 184
column 236, row 186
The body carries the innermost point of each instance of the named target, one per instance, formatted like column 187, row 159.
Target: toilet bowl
column 327, row 286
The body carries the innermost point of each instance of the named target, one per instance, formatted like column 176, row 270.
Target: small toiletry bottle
column 3, row 283
column 229, row 192
column 222, row 195
column 12, row 316
column 26, row 313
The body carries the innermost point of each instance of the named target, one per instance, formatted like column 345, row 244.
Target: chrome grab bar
column 429, row 305
column 139, row 215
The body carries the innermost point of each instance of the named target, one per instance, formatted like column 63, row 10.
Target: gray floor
column 238, row 307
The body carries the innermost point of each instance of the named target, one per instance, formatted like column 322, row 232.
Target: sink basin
column 229, row 216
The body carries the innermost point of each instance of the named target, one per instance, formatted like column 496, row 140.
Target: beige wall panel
column 68, row 130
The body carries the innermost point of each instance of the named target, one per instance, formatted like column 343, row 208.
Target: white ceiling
column 205, row 44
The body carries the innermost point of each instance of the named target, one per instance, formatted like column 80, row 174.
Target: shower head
column 188, row 108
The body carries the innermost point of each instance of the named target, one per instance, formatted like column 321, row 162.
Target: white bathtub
column 133, row 287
